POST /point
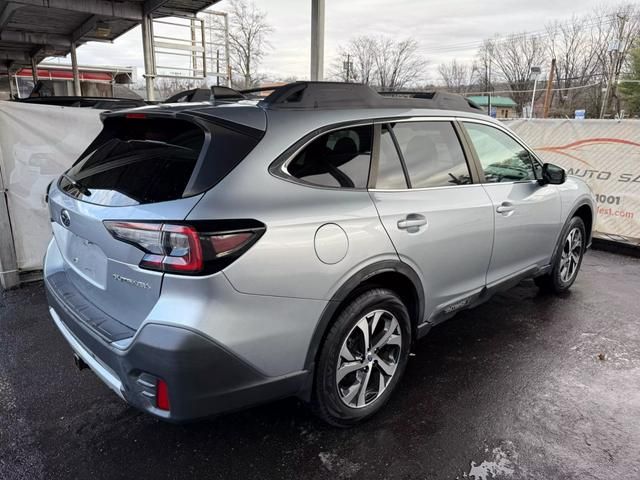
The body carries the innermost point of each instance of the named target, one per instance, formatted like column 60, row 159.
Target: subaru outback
column 207, row 258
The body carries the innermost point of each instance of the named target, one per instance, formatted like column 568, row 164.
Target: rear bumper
column 203, row 377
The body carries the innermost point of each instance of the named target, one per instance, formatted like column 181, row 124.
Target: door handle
column 412, row 222
column 505, row 207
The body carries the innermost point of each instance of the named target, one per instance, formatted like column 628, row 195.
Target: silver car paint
column 525, row 235
column 266, row 305
column 455, row 242
column 109, row 257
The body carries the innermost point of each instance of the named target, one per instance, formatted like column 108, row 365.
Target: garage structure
column 31, row 30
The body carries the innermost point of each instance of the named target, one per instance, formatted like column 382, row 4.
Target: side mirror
column 552, row 174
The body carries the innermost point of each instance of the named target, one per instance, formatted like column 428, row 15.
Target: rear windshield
column 136, row 161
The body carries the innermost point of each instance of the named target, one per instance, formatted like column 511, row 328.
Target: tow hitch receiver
column 79, row 362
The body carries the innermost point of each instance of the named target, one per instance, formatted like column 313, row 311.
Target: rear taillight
column 189, row 249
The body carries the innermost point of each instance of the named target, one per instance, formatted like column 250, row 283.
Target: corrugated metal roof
column 42, row 28
column 496, row 101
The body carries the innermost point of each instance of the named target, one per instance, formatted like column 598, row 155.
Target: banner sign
column 605, row 154
column 38, row 143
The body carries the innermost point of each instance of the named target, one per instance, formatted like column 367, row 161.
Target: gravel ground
column 527, row 386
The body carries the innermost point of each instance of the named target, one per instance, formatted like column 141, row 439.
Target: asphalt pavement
column 527, row 386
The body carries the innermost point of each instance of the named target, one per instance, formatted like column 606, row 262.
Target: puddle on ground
column 501, row 465
column 339, row 467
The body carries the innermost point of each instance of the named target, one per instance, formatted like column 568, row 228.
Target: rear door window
column 432, row 154
column 390, row 173
column 339, row 159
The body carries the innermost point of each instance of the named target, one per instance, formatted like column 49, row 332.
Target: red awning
column 48, row 74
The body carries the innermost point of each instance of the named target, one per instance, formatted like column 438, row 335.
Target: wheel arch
column 392, row 274
column 583, row 210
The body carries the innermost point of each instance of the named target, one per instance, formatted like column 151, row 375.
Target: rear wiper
column 81, row 188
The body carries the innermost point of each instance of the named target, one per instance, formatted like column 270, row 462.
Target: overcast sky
column 444, row 29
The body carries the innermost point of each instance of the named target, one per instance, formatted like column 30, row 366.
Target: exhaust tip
column 80, row 363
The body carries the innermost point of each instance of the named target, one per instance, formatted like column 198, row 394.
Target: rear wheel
column 362, row 358
column 568, row 259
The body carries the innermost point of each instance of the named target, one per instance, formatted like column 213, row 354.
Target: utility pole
column 547, row 93
column 615, row 58
column 218, row 67
column 347, row 66
column 488, row 53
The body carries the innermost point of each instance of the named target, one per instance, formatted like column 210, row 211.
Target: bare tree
column 513, row 57
column 458, row 77
column 356, row 60
column 397, row 63
column 620, row 34
column 380, row 61
column 248, row 39
column 576, row 61
column 483, row 66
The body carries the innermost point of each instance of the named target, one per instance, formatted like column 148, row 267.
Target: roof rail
column 437, row 97
column 338, row 95
column 216, row 93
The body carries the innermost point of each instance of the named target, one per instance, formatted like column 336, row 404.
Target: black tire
column 554, row 281
column 327, row 402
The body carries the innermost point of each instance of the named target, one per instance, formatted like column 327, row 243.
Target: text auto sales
column 604, row 175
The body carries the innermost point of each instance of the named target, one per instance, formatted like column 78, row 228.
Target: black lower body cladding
column 203, row 378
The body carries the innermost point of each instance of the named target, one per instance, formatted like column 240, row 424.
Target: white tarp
column 604, row 153
column 37, row 143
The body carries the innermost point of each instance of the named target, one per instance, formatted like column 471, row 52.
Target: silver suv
column 210, row 257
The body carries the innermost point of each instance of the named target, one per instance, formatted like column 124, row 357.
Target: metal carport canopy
column 31, row 30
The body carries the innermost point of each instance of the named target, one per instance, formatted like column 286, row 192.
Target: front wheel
column 362, row 358
column 568, row 260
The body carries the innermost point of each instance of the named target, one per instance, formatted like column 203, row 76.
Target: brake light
column 185, row 249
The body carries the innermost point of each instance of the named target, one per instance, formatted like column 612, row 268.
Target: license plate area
column 87, row 259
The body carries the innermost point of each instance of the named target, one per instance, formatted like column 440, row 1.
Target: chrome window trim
column 359, row 123
column 424, row 188
column 285, row 175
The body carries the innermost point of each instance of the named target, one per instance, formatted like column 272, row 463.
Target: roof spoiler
column 338, row 95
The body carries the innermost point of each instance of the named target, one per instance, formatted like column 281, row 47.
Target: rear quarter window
column 339, row 159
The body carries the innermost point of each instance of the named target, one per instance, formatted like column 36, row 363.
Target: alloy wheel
column 368, row 359
column 570, row 258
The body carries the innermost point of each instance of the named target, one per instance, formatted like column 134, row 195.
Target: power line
column 530, row 91
column 460, row 46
